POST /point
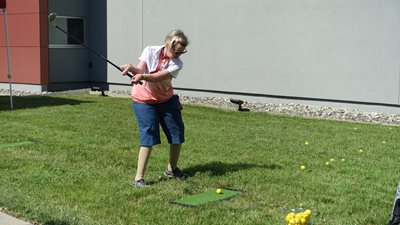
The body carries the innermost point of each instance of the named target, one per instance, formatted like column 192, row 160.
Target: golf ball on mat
column 219, row 191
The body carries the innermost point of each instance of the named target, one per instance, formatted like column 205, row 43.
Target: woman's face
column 177, row 50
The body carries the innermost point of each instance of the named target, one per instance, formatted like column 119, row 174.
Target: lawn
column 79, row 168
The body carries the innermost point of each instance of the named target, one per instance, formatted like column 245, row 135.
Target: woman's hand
column 126, row 68
column 137, row 78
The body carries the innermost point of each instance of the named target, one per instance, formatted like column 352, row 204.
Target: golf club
column 53, row 16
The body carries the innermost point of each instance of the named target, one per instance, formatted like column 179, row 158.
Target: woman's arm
column 155, row 77
column 140, row 68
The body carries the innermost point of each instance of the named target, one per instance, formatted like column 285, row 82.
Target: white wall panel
column 346, row 50
column 124, row 36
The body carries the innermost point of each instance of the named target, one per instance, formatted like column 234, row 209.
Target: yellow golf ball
column 219, row 191
column 302, row 167
column 290, row 216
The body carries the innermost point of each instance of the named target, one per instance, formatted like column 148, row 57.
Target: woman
column 155, row 104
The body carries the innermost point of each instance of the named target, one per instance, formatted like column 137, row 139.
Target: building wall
column 97, row 39
column 344, row 50
column 68, row 66
column 325, row 50
column 124, row 36
column 36, row 66
column 77, row 67
column 27, row 19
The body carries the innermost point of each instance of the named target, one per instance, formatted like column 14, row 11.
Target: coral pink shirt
column 156, row 92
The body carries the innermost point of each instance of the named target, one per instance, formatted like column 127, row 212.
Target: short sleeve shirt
column 156, row 92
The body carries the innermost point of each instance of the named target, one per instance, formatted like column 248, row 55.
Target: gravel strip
column 302, row 110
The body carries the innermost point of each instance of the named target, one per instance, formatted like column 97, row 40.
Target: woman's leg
column 148, row 123
column 174, row 129
column 143, row 159
column 174, row 152
column 172, row 169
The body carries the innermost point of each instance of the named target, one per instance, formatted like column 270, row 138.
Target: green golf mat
column 16, row 144
column 205, row 197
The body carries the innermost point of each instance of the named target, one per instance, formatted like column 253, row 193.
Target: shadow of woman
column 218, row 168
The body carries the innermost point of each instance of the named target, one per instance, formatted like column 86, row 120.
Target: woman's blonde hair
column 176, row 37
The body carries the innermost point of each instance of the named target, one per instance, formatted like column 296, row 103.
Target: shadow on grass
column 218, row 168
column 27, row 102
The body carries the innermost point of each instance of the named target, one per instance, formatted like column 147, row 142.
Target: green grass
column 79, row 169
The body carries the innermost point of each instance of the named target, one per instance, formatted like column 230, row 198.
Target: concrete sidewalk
column 9, row 220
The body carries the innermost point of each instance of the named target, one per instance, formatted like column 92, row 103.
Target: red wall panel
column 29, row 65
column 23, row 6
column 28, row 41
column 23, row 30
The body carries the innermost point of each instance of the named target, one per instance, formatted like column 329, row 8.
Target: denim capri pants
column 149, row 117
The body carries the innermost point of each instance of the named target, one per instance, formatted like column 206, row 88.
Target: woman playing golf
column 155, row 104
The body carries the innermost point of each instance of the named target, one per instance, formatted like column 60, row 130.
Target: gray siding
column 346, row 50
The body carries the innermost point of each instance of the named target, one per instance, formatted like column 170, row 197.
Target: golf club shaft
column 80, row 42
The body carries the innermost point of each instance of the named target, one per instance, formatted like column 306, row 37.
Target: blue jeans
column 167, row 114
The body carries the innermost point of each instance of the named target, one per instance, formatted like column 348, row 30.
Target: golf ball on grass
column 218, row 191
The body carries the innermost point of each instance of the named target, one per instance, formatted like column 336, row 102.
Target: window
column 72, row 25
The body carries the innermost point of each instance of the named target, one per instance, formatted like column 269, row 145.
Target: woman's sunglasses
column 180, row 53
